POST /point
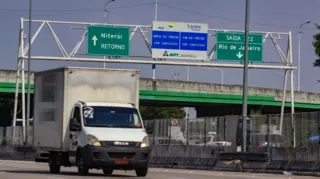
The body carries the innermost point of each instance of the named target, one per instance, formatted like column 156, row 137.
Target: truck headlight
column 92, row 140
column 145, row 142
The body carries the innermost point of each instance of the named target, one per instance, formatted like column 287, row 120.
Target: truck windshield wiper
column 125, row 126
column 100, row 125
column 112, row 125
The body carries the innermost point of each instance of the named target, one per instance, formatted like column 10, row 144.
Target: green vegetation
column 316, row 45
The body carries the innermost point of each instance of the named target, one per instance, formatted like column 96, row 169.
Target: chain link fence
column 199, row 131
column 298, row 130
column 6, row 136
column 302, row 130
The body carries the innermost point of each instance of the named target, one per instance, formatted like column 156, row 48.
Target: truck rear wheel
column 107, row 171
column 82, row 168
column 53, row 166
column 142, row 172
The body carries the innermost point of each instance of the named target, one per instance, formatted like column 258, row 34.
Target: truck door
column 74, row 134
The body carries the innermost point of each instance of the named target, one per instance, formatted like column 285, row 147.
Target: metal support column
column 245, row 79
column 283, row 99
column 292, row 91
column 29, row 74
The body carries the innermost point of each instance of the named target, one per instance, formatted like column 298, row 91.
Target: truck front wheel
column 54, row 167
column 142, row 172
column 82, row 168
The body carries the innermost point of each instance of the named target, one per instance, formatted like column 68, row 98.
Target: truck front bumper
column 115, row 157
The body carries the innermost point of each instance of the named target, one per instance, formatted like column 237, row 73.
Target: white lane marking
column 18, row 161
column 242, row 175
column 54, row 177
column 177, row 178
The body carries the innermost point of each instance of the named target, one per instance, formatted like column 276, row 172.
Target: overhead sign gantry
column 190, row 46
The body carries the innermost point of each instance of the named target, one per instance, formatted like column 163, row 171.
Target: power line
column 198, row 13
column 224, row 18
column 72, row 13
column 74, row 10
column 46, row 13
column 42, row 13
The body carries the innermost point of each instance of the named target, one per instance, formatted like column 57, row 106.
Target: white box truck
column 89, row 118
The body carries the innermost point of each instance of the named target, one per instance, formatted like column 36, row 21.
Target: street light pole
column 29, row 74
column 105, row 11
column 299, row 52
column 156, row 11
column 245, row 79
column 155, row 19
column 106, row 22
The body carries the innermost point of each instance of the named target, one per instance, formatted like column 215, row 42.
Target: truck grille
column 120, row 144
column 116, row 155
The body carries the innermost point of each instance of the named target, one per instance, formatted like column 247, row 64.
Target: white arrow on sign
column 239, row 55
column 94, row 38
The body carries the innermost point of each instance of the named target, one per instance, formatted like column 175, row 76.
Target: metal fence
column 6, row 137
column 264, row 130
column 298, row 130
column 301, row 130
column 186, row 131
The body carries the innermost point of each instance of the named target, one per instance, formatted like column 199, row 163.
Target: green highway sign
column 108, row 41
column 230, row 47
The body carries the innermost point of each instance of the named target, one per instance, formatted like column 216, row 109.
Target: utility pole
column 299, row 52
column 106, row 22
column 188, row 79
column 155, row 19
column 245, row 79
column 29, row 74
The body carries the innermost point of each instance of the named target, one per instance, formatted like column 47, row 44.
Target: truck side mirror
column 74, row 125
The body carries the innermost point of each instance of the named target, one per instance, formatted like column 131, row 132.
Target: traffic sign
column 230, row 47
column 108, row 41
column 179, row 40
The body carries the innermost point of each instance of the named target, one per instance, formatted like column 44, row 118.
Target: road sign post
column 230, row 47
column 108, row 41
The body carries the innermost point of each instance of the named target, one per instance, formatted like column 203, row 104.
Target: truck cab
column 106, row 136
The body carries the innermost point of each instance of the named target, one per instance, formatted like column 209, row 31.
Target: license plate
column 121, row 162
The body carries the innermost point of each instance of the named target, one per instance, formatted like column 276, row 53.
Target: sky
column 265, row 15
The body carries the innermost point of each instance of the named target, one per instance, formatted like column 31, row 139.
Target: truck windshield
column 102, row 116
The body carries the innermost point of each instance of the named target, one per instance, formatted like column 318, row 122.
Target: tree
column 149, row 113
column 316, row 45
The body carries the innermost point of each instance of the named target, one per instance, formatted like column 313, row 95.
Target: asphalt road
column 30, row 170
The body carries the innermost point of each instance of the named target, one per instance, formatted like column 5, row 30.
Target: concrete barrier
column 166, row 162
column 183, row 162
column 9, row 153
column 184, row 151
column 245, row 156
column 208, row 158
column 302, row 166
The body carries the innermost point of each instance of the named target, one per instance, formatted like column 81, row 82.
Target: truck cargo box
column 57, row 90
